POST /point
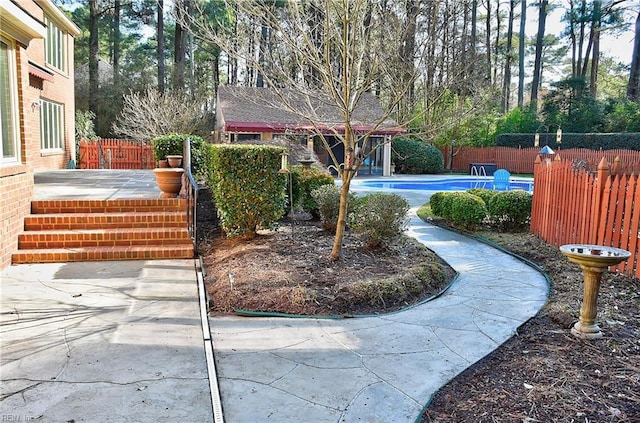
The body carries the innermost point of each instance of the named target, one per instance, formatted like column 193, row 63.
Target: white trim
column 18, row 24
column 14, row 114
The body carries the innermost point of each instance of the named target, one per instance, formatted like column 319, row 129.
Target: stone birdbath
column 594, row 261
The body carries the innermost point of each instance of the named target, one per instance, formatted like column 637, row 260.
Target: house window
column 9, row 151
column 51, row 125
column 56, row 46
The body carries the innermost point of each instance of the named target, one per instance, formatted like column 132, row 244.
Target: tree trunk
column 488, row 40
column 179, row 47
column 633, row 87
column 497, row 45
column 537, row 67
column 506, row 86
column 160, row 48
column 595, row 58
column 521, row 70
column 262, row 47
column 116, row 44
column 94, row 82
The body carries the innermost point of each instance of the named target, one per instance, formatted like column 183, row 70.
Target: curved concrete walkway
column 376, row 369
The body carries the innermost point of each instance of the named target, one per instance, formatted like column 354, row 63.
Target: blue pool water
column 457, row 184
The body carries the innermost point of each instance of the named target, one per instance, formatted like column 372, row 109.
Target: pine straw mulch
column 543, row 374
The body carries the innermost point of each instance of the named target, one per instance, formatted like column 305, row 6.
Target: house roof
column 251, row 109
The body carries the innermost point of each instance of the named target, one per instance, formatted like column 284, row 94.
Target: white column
column 386, row 157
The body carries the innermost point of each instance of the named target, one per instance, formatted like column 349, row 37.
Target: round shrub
column 446, row 205
column 467, row 210
column 416, row 157
column 327, row 197
column 303, row 182
column 510, row 209
column 436, row 201
column 172, row 144
column 380, row 218
column 484, row 193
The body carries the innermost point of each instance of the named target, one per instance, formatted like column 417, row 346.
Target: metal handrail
column 191, row 194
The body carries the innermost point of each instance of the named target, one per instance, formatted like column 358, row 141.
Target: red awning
column 280, row 128
column 39, row 72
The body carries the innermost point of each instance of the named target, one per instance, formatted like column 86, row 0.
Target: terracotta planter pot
column 174, row 161
column 163, row 164
column 169, row 181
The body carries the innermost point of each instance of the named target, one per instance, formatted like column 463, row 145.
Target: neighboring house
column 248, row 113
column 36, row 105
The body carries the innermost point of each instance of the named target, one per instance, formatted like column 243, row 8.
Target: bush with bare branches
column 148, row 114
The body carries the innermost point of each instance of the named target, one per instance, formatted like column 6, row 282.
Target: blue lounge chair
column 501, row 180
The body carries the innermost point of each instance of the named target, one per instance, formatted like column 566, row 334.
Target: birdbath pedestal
column 594, row 260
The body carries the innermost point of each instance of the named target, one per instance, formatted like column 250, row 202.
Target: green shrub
column 436, row 201
column 248, row 190
column 484, row 193
column 416, row 157
column 510, row 209
column 327, row 197
column 303, row 182
column 446, row 205
column 172, row 144
column 380, row 218
column 467, row 210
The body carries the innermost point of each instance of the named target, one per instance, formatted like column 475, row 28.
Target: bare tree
column 148, row 114
column 345, row 67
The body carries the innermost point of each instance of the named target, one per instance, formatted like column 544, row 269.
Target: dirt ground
column 543, row 374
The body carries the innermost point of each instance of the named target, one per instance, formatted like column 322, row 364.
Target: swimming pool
column 452, row 184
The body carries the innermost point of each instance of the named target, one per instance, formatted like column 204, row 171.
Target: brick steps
column 70, row 221
column 58, row 255
column 88, row 230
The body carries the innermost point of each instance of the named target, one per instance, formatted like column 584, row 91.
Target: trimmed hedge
column 412, row 156
column 591, row 141
column 467, row 210
column 510, row 209
column 172, row 144
column 248, row 190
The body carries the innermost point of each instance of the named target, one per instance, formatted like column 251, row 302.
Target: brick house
column 248, row 113
column 36, row 105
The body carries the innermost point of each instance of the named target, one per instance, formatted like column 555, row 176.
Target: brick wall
column 16, row 180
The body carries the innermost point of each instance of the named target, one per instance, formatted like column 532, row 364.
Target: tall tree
column 179, row 45
column 633, row 87
column 506, row 82
column 94, row 82
column 537, row 67
column 160, row 46
column 521, row 50
column 116, row 44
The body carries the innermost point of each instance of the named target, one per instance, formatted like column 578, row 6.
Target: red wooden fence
column 520, row 160
column 116, row 154
column 574, row 206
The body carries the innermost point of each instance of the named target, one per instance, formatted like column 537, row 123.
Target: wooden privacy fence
column 116, row 154
column 572, row 205
column 520, row 160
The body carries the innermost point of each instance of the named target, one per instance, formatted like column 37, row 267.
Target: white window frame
column 55, row 46
column 13, row 123
column 51, row 126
